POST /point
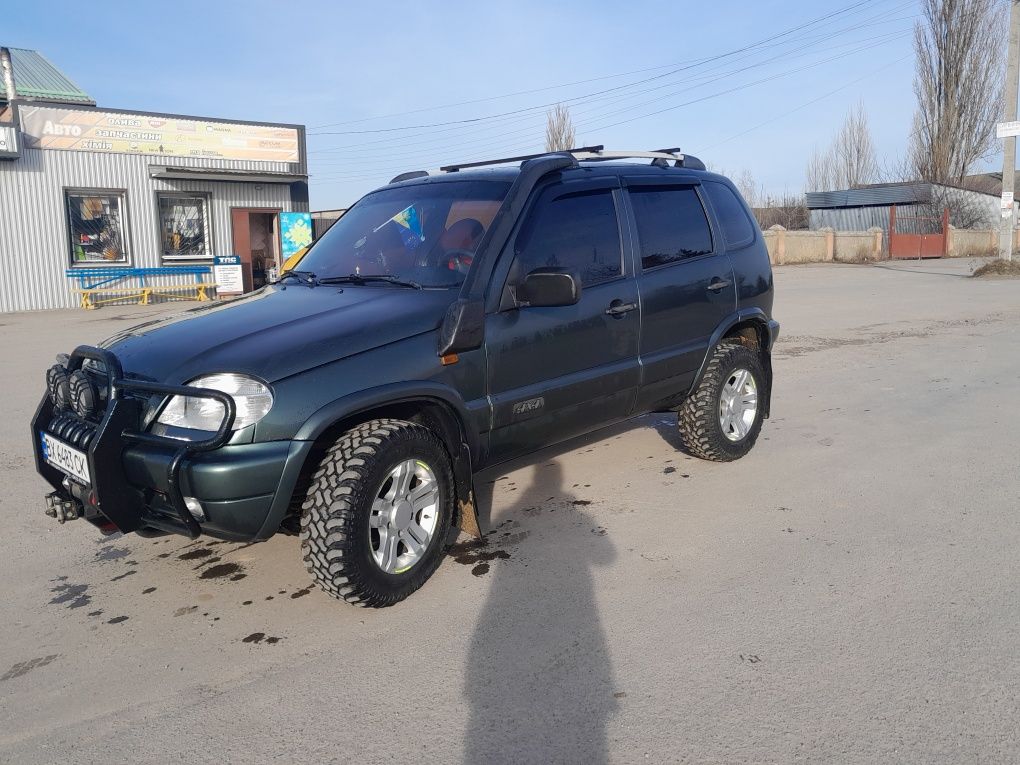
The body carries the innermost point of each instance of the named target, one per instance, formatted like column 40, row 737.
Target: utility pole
column 1009, row 141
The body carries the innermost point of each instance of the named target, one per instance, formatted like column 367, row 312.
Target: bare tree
column 849, row 162
column 787, row 210
column 821, row 171
column 752, row 192
column 559, row 129
column 958, row 48
column 854, row 151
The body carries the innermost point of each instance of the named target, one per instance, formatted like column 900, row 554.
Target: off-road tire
column 335, row 513
column 701, row 434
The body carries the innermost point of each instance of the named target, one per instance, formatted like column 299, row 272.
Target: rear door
column 686, row 284
column 560, row 371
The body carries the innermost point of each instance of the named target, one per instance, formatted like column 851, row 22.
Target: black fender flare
column 461, row 439
column 771, row 332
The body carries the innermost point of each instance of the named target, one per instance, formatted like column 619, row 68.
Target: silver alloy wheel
column 405, row 513
column 738, row 405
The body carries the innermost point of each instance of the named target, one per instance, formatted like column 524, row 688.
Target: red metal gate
column 918, row 236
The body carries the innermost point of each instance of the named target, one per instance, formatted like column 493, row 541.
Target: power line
column 833, row 14
column 434, row 138
column 592, row 124
column 702, row 79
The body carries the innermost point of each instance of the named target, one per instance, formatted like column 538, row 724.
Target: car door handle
column 619, row 308
column 719, row 284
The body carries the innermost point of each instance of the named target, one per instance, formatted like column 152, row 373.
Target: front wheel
column 377, row 513
column 721, row 419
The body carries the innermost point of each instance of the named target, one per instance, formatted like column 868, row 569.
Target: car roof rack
column 660, row 158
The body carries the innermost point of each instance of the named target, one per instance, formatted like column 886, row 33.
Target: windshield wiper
column 305, row 276
column 365, row 278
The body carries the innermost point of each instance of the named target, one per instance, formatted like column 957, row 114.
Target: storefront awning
column 205, row 174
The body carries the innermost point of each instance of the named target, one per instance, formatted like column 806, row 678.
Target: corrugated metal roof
column 889, row 194
column 35, row 77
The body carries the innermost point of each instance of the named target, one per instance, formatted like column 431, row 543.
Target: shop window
column 182, row 227
column 97, row 227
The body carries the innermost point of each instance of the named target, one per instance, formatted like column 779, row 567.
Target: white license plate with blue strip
column 66, row 458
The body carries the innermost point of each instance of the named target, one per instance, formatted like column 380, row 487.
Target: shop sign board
column 295, row 231
column 46, row 127
column 228, row 275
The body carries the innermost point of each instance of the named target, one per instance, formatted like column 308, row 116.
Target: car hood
column 278, row 331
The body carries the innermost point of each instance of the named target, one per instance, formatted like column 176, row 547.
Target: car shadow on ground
column 539, row 678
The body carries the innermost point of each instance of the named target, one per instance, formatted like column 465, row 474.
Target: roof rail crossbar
column 521, row 158
column 660, row 157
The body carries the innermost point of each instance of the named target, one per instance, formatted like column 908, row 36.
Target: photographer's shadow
column 539, row 680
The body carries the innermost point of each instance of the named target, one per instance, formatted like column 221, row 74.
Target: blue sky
column 346, row 67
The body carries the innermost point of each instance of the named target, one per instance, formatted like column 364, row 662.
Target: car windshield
column 423, row 233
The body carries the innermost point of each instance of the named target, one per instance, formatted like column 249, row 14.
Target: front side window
column 427, row 233
column 577, row 231
column 182, row 227
column 96, row 224
column 671, row 224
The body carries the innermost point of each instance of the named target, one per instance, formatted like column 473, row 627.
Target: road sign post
column 1010, row 129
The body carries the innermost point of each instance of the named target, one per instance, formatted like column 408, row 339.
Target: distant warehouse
column 919, row 205
column 83, row 187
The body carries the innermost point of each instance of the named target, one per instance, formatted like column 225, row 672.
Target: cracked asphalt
column 849, row 592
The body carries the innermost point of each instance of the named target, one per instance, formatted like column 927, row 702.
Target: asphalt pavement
column 849, row 592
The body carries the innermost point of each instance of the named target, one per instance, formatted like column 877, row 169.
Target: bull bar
column 121, row 424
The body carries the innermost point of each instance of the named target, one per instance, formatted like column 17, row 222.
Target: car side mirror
column 548, row 287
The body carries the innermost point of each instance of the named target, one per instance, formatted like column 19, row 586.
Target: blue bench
column 97, row 281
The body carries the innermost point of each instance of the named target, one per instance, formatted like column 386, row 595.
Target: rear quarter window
column 738, row 229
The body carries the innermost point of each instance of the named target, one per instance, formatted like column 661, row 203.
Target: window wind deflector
column 366, row 278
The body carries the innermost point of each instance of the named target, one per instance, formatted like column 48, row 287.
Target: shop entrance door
column 256, row 238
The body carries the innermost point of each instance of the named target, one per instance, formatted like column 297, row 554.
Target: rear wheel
column 721, row 419
column 377, row 513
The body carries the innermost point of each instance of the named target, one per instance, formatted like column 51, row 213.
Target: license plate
column 72, row 461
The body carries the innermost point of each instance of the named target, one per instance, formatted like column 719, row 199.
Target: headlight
column 252, row 399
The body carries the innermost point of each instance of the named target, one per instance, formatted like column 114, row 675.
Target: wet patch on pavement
column 111, row 552
column 476, row 554
column 24, row 667
column 222, row 571
column 201, row 552
column 260, row 637
column 74, row 595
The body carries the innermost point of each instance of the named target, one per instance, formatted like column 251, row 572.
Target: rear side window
column 671, row 225
column 736, row 226
column 578, row 231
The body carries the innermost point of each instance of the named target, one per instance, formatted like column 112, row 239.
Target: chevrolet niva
column 447, row 322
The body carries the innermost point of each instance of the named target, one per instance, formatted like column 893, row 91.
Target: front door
column 556, row 372
column 255, row 236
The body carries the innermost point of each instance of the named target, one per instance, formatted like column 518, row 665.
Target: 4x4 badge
column 529, row 406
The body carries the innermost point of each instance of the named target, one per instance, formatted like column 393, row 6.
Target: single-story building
column 85, row 187
column 919, row 206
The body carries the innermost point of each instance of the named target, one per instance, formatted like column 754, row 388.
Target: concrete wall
column 787, row 247
column 968, row 243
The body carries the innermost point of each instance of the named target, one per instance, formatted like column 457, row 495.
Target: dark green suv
column 447, row 322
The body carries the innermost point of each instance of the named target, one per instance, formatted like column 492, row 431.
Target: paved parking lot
column 849, row 592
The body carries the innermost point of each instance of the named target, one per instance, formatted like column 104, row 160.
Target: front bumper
column 140, row 480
